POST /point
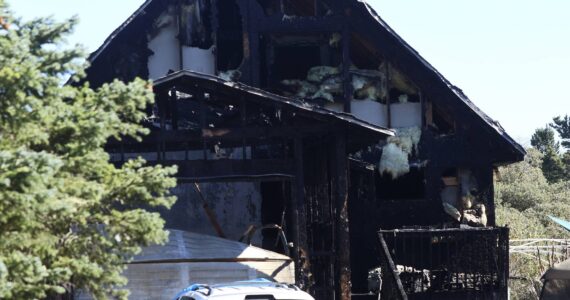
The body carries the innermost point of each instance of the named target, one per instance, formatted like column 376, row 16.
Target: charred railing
column 450, row 260
column 391, row 286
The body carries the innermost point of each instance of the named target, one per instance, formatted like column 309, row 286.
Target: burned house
column 314, row 120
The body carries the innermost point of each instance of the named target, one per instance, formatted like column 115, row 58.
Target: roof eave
column 297, row 103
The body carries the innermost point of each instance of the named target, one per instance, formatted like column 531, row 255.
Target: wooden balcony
column 453, row 263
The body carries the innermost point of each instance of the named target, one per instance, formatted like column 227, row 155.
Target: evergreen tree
column 543, row 140
column 524, row 200
column 552, row 166
column 562, row 126
column 566, row 164
column 68, row 217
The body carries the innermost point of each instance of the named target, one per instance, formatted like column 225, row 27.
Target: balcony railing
column 430, row 261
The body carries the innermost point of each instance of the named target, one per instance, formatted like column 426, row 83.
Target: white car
column 244, row 290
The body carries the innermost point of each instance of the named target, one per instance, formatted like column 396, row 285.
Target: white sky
column 511, row 57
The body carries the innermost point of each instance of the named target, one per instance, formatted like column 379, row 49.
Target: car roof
column 247, row 288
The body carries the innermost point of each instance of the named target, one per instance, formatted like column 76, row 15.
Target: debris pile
column 325, row 82
column 369, row 85
column 230, row 75
column 476, row 216
column 462, row 201
column 322, row 82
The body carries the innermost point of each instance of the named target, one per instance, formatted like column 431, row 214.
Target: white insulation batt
column 230, row 75
column 319, row 73
column 407, row 138
column 406, row 114
column 165, row 47
column 394, row 161
column 199, row 60
column 322, row 82
column 370, row 111
column 395, row 155
column 167, row 51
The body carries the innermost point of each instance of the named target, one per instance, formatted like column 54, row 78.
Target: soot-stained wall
column 236, row 205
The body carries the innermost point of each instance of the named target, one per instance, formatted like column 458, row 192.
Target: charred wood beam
column 294, row 213
column 347, row 82
column 251, row 43
column 190, row 146
column 394, row 288
column 388, row 104
column 189, row 140
column 196, row 169
column 230, row 134
column 424, row 108
column 261, row 132
column 301, row 242
column 173, row 107
column 215, row 20
column 201, row 99
column 162, row 94
column 360, row 165
column 254, row 51
column 239, row 178
column 284, row 24
column 486, row 179
column 342, row 239
column 243, row 120
column 504, row 259
column 162, row 105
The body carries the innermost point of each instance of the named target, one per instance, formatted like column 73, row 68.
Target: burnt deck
column 427, row 263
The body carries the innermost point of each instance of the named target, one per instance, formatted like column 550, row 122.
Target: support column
column 342, row 239
column 251, row 49
column 488, row 179
column 346, row 62
column 301, row 254
column 173, row 99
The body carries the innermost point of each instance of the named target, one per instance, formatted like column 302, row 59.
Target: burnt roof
column 371, row 17
column 458, row 93
column 138, row 13
column 205, row 81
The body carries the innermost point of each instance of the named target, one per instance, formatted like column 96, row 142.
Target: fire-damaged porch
column 443, row 260
column 452, row 263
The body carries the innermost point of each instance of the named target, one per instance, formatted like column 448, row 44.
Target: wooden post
column 388, row 83
column 209, row 212
column 300, row 217
column 253, row 46
column 342, row 240
column 423, row 108
column 428, row 112
column 489, row 179
column 173, row 108
column 162, row 104
column 200, row 95
column 243, row 116
column 346, row 78
column 294, row 229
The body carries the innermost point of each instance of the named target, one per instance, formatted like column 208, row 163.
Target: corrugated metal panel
column 189, row 246
column 160, row 272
